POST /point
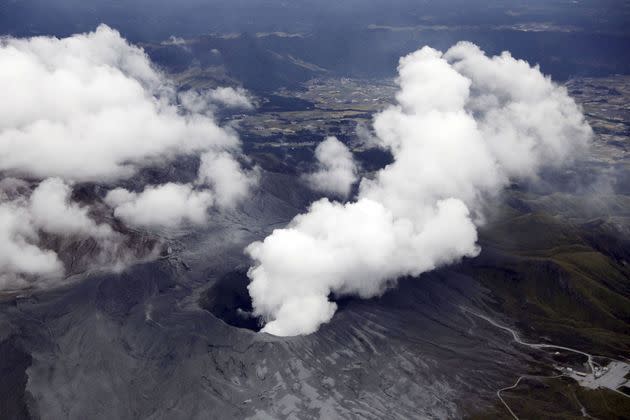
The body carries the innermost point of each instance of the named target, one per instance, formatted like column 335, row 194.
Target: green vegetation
column 548, row 275
column 559, row 398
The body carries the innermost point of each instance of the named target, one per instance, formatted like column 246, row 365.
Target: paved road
column 518, row 381
column 517, row 339
column 532, row 345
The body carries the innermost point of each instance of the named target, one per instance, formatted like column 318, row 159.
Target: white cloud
column 221, row 183
column 231, row 98
column 24, row 261
column 206, row 102
column 53, row 212
column 365, row 137
column 167, row 205
column 92, row 107
column 463, row 126
column 175, row 40
column 337, row 171
column 229, row 182
column 20, row 257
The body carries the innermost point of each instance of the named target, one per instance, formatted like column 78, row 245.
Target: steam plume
column 463, row 126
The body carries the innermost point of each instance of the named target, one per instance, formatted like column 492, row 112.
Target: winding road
column 518, row 340
column 518, row 381
column 532, row 345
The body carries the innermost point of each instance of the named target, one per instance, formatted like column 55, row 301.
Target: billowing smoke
column 336, row 172
column 93, row 108
column 463, row 126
